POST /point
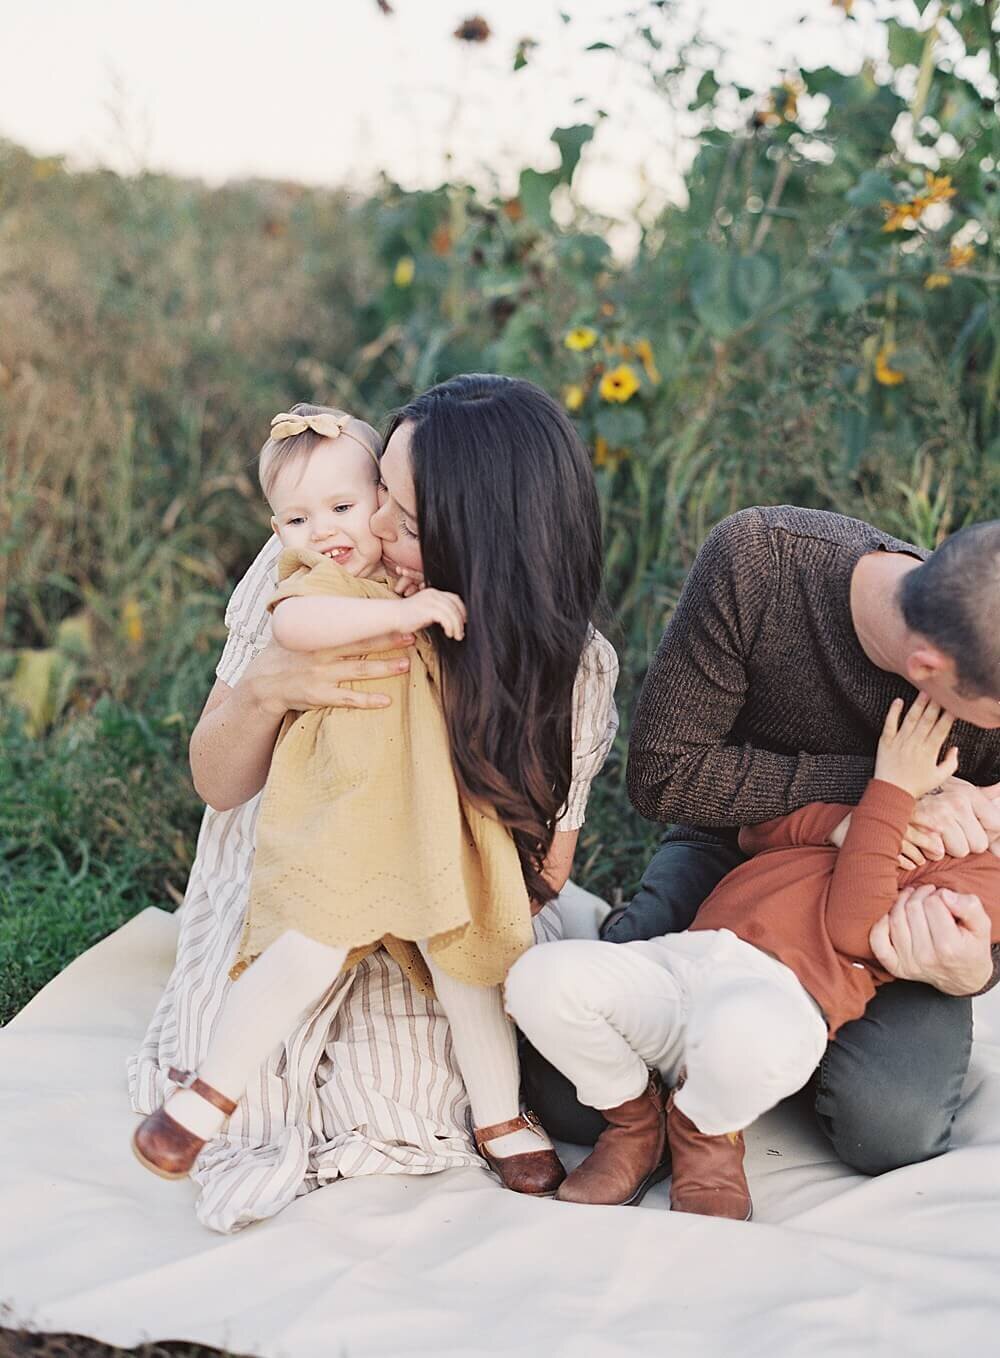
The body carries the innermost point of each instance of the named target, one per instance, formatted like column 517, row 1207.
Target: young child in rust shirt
column 813, row 906
column 734, row 1014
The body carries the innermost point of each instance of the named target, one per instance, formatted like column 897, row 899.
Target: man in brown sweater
column 795, row 631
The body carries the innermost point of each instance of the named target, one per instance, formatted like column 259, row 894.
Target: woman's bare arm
column 232, row 744
column 558, row 862
column 231, row 747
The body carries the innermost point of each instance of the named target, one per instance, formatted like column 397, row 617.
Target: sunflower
column 960, row 255
column 619, row 385
column 900, row 215
column 574, row 397
column 580, row 338
column 937, row 280
column 938, row 189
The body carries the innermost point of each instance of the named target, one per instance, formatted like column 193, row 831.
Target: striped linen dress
column 367, row 1083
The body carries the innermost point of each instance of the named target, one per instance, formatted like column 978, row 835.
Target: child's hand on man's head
column 909, row 749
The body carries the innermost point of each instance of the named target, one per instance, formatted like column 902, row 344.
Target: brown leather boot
column 708, row 1170
column 162, row 1145
column 629, row 1156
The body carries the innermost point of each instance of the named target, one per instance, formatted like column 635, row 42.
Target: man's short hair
column 953, row 599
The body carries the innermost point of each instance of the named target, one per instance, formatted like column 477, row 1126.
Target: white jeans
column 735, row 1019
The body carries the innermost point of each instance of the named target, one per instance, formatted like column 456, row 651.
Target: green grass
column 97, row 821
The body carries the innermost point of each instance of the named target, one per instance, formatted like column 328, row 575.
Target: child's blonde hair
column 296, row 433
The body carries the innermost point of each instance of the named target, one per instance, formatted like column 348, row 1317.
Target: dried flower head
column 475, row 29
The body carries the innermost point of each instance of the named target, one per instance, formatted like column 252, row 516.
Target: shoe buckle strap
column 524, row 1122
column 190, row 1079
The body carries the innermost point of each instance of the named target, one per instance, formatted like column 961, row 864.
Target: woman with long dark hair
column 497, row 479
column 487, row 493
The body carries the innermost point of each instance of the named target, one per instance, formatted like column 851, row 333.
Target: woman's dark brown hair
column 508, row 519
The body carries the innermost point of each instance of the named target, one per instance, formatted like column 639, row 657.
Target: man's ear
column 927, row 662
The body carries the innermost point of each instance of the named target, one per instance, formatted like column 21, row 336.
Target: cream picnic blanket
column 452, row 1266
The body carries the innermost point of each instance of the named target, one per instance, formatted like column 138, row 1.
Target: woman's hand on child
column 909, row 750
column 429, row 606
column 297, row 681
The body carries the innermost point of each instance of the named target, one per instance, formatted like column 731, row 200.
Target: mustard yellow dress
column 363, row 839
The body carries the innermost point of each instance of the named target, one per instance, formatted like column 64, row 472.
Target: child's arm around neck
column 319, row 605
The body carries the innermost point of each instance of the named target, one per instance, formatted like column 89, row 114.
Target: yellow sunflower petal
column 885, row 373
column 580, row 338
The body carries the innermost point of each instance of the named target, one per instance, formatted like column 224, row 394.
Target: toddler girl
column 363, row 839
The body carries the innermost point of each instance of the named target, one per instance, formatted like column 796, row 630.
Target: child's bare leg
column 261, row 1009
column 486, row 1051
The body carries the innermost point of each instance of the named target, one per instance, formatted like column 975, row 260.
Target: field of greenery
column 819, row 323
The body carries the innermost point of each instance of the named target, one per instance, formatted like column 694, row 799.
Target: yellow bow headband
column 326, row 425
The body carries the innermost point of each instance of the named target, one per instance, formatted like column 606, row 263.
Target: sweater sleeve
column 812, row 824
column 865, row 881
column 683, row 764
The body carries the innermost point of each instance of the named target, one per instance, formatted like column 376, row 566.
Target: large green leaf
column 584, row 253
column 754, row 279
column 708, row 88
column 535, row 193
column 873, row 187
column 906, row 45
column 571, row 141
column 728, row 290
column 855, row 425
column 847, row 290
column 622, row 426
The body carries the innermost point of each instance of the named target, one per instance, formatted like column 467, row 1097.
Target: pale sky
column 332, row 92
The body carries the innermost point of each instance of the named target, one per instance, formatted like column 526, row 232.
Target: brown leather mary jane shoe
column 162, row 1145
column 535, row 1173
column 708, row 1170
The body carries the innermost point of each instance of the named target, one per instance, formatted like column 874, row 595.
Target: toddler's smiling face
column 325, row 503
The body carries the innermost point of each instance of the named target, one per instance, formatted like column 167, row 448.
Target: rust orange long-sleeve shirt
column 813, row 906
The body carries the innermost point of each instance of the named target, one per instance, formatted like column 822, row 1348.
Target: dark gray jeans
column 888, row 1088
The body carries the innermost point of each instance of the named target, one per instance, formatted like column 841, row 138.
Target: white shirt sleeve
column 247, row 618
column 595, row 722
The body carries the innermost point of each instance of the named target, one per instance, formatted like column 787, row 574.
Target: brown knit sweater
column 813, row 906
column 760, row 698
